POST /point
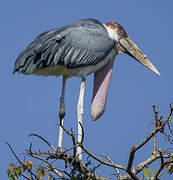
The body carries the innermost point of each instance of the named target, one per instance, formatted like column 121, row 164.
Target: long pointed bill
column 132, row 50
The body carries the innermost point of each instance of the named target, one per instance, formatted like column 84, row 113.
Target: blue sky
column 29, row 104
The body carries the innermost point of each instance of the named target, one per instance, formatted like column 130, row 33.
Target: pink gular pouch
column 100, row 90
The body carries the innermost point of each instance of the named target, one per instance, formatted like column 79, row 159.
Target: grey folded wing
column 83, row 43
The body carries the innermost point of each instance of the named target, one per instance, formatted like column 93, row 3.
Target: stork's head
column 126, row 45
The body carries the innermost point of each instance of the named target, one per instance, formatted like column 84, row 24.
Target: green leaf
column 41, row 170
column 169, row 120
column 146, row 173
column 18, row 170
column 151, row 171
column 11, row 166
column 48, row 176
column 15, row 175
column 9, row 173
column 171, row 170
column 38, row 174
column 168, row 166
column 165, row 151
column 24, row 168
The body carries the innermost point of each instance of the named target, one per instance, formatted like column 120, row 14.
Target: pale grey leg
column 80, row 112
column 61, row 115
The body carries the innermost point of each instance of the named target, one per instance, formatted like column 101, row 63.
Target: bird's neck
column 112, row 33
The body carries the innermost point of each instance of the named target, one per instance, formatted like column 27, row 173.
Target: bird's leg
column 80, row 112
column 61, row 115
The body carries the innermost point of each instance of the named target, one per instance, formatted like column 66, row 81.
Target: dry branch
column 81, row 170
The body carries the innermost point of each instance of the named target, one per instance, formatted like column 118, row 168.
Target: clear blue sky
column 29, row 104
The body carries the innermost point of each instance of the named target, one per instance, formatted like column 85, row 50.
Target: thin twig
column 116, row 169
column 155, row 156
column 170, row 112
column 68, row 132
column 95, row 167
column 74, row 143
column 57, row 172
column 138, row 168
column 142, row 177
column 156, row 125
column 36, row 135
column 167, row 162
column 161, row 165
column 137, row 147
column 26, row 177
column 19, row 160
column 14, row 153
column 102, row 161
column 72, row 147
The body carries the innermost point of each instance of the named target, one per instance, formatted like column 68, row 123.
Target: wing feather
column 83, row 43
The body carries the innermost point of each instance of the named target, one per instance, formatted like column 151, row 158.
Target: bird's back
column 81, row 44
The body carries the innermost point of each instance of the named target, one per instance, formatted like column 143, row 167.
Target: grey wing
column 80, row 44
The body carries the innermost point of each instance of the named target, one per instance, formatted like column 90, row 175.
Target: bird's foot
column 59, row 150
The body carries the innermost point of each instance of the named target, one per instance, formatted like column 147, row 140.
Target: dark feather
column 83, row 43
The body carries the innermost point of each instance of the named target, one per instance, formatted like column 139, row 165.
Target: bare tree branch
column 101, row 160
column 20, row 162
column 137, row 147
column 48, row 164
column 43, row 140
column 79, row 170
column 116, row 169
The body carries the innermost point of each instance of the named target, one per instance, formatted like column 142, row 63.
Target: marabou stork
column 80, row 49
